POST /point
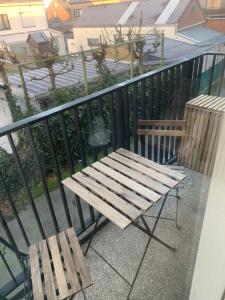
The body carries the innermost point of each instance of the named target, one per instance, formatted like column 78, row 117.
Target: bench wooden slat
column 79, row 259
column 151, row 164
column 156, row 184
column 161, row 132
column 58, row 267
column 147, row 193
column 47, row 271
column 69, row 263
column 105, row 209
column 175, row 123
column 35, row 273
column 109, row 196
column 121, row 190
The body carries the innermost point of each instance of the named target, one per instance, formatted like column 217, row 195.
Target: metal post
column 84, row 71
column 24, row 87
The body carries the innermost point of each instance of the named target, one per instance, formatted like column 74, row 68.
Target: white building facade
column 19, row 18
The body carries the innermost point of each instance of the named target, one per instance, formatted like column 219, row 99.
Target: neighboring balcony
column 55, row 144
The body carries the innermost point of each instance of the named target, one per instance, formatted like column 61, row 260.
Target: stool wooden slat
column 60, row 260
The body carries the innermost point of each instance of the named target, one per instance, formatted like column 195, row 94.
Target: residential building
column 18, row 18
column 215, row 12
column 168, row 16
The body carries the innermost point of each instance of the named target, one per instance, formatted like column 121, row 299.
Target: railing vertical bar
column 119, row 118
column 149, row 112
column 79, row 137
column 126, row 119
column 42, row 176
column 143, row 113
column 57, row 171
column 94, row 150
column 14, row 210
column 157, row 96
column 164, row 101
column 7, row 267
column 195, row 75
column 221, row 77
column 100, row 110
column 80, row 212
column 135, row 118
column 90, row 124
column 211, row 75
column 199, row 74
column 34, row 209
column 67, row 145
column 112, row 121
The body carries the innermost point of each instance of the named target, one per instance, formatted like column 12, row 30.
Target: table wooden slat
column 47, row 271
column 151, row 164
column 109, row 196
column 135, row 186
column 105, row 209
column 69, row 264
column 141, row 173
column 119, row 189
column 35, row 273
column 79, row 259
column 58, row 267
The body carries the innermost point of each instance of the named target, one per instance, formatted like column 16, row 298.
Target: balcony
column 54, row 144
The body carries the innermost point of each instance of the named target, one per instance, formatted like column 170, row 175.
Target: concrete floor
column 164, row 275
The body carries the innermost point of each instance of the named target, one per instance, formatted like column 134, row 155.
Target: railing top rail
column 62, row 108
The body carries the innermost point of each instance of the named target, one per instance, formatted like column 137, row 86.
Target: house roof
column 200, row 34
column 151, row 12
column 40, row 88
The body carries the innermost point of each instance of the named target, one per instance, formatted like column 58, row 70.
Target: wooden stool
column 58, row 267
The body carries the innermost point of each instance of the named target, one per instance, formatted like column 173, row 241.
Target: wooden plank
column 121, row 190
column 193, row 127
column 192, row 101
column 176, row 123
column 215, row 148
column 161, row 132
column 35, row 273
column 47, row 271
column 145, row 192
column 105, row 209
column 58, row 267
column 207, row 142
column 206, row 115
column 151, row 164
column 146, row 179
column 79, row 259
column 203, row 100
column 109, row 196
column 208, row 102
column 213, row 103
column 69, row 263
column 198, row 140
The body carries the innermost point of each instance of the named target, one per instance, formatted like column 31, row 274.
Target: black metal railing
column 54, row 144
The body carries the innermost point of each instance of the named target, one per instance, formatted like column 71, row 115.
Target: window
column 93, row 42
column 4, row 22
column 76, row 13
column 27, row 19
